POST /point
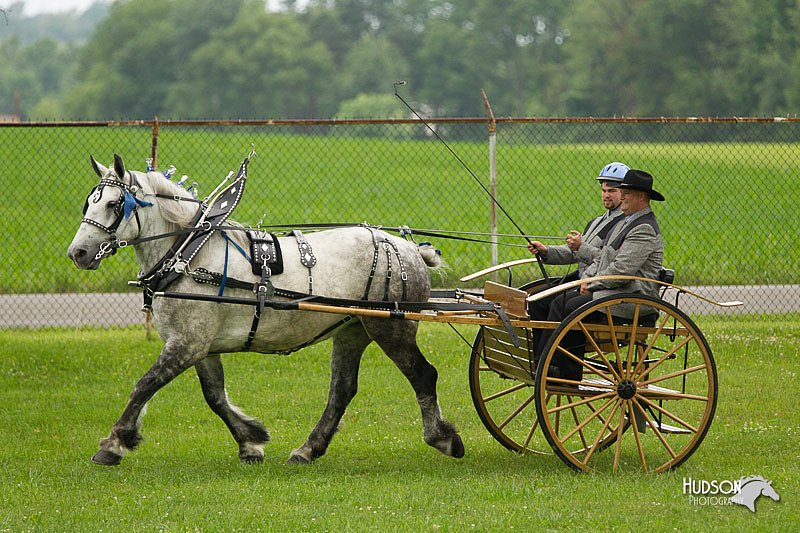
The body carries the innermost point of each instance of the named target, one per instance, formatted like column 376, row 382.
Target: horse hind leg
column 248, row 432
column 348, row 346
column 398, row 341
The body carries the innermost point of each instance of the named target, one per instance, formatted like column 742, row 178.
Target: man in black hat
column 582, row 248
column 633, row 248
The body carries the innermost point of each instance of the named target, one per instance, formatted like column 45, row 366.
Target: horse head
column 107, row 220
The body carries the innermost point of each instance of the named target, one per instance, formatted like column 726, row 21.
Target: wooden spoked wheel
column 502, row 384
column 502, row 379
column 654, row 377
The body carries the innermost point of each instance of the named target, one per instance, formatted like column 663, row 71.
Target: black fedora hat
column 639, row 180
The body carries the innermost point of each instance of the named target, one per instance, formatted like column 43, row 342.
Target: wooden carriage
column 645, row 395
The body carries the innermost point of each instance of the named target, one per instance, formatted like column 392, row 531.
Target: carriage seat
column 514, row 301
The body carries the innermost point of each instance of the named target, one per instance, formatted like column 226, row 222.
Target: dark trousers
column 560, row 307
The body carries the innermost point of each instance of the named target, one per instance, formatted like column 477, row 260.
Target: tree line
column 205, row 59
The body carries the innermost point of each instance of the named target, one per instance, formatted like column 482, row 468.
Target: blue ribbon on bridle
column 131, row 202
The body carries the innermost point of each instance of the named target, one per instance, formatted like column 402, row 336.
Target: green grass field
column 729, row 205
column 62, row 390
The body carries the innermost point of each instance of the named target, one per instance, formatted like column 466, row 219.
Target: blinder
column 95, row 195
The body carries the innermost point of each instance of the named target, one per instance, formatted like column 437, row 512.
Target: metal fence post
column 492, row 176
column 154, row 147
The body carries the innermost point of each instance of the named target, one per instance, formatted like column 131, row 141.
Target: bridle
column 120, row 211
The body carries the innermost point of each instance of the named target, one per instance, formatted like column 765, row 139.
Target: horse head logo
column 751, row 488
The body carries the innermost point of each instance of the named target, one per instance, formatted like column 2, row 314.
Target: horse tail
column 431, row 255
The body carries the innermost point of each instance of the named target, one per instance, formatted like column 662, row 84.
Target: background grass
column 62, row 390
column 729, row 205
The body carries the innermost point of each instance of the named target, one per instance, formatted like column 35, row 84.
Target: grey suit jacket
column 591, row 243
column 638, row 253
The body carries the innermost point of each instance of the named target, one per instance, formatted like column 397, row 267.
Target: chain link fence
column 730, row 218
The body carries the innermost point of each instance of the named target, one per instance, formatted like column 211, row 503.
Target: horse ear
column 99, row 169
column 119, row 167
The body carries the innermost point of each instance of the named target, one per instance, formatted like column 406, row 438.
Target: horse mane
column 180, row 213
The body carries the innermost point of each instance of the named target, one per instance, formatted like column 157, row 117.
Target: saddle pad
column 265, row 250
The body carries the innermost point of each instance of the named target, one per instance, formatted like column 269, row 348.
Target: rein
column 406, row 231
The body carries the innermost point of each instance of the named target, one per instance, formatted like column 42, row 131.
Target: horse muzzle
column 84, row 257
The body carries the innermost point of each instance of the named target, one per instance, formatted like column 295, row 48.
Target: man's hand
column 537, row 248
column 573, row 240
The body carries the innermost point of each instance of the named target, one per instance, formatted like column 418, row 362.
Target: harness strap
column 388, row 246
column 307, row 257
column 265, row 290
column 374, row 266
column 403, row 273
column 388, row 270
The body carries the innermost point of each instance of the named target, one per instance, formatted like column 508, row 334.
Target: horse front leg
column 348, row 346
column 248, row 432
column 124, row 437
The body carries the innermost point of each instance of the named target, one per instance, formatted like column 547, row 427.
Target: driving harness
column 265, row 257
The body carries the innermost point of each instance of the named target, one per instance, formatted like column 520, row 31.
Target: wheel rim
column 663, row 383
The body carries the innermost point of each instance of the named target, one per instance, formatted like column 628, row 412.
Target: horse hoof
column 105, row 458
column 251, row 459
column 251, row 453
column 296, row 458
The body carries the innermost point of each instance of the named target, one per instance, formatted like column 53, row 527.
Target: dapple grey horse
column 197, row 332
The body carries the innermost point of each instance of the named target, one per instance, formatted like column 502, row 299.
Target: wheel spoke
column 581, row 402
column 636, row 436
column 599, row 351
column 504, row 392
column 600, row 434
column 669, row 395
column 613, row 331
column 655, row 429
column 675, row 374
column 517, row 411
column 669, row 414
column 664, row 357
column 652, row 343
column 530, row 434
column 595, row 414
column 583, row 363
column 618, row 449
column 632, row 341
column 575, row 419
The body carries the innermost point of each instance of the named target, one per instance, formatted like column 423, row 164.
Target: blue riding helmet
column 613, row 172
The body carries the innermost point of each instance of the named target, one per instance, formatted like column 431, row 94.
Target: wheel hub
column 626, row 389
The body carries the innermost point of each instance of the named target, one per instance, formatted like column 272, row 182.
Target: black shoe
column 572, row 373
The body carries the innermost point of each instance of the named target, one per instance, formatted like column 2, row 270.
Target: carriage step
column 672, row 430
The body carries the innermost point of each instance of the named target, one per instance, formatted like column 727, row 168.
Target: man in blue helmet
column 583, row 248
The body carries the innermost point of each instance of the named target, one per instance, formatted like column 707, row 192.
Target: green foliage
column 371, row 66
column 208, row 59
column 262, row 65
column 63, row 389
